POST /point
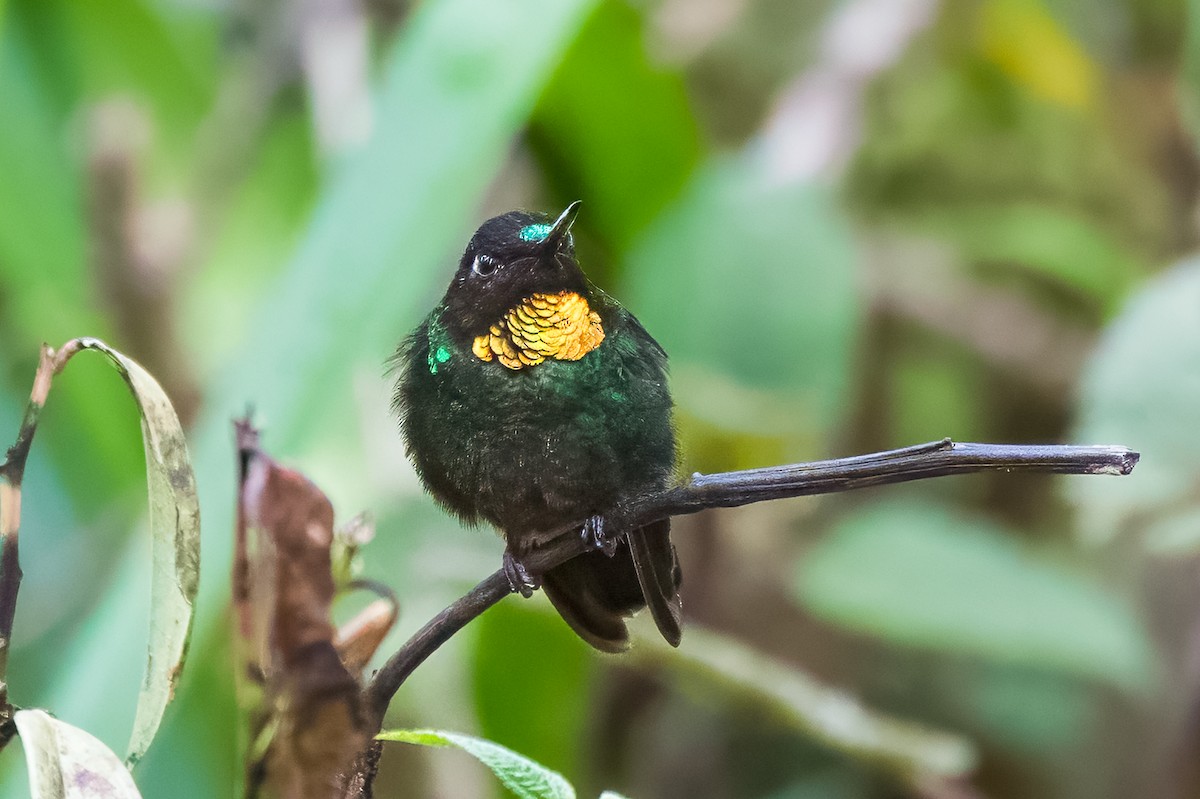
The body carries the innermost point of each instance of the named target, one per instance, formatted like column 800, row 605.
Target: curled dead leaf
column 308, row 701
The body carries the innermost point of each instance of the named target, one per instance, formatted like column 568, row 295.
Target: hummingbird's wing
column 659, row 575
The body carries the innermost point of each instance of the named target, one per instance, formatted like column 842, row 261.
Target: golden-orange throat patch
column 559, row 326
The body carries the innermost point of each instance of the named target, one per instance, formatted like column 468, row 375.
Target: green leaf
column 921, row 576
column 519, row 774
column 67, row 763
column 175, row 528
column 769, row 270
column 1141, row 388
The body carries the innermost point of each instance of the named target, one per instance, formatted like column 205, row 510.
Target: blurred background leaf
column 742, row 247
column 924, row 577
column 1143, row 383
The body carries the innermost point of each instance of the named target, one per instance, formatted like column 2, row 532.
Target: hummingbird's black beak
column 560, row 228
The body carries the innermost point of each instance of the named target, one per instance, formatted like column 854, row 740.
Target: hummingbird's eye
column 483, row 266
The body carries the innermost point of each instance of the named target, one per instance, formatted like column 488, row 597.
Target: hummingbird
column 531, row 400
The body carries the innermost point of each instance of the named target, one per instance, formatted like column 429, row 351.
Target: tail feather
column 591, row 621
column 659, row 575
column 595, row 594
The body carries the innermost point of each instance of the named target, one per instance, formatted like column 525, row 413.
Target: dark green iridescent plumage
column 534, row 450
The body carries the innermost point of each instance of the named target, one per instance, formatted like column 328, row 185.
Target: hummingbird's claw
column 519, row 578
column 594, row 536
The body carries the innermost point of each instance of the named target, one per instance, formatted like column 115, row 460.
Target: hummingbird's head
column 511, row 258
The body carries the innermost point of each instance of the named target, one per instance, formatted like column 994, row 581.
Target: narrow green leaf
column 67, row 763
column 397, row 213
column 528, row 780
column 175, row 527
column 919, row 575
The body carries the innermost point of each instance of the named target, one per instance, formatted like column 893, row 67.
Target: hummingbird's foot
column 519, row 578
column 594, row 536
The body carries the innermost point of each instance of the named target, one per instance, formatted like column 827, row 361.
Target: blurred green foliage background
column 854, row 225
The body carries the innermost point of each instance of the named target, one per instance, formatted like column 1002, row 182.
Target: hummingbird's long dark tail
column 595, row 593
column 659, row 574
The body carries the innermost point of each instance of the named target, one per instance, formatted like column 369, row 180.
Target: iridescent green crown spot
column 535, row 232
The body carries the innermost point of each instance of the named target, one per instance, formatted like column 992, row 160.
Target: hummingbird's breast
column 540, row 424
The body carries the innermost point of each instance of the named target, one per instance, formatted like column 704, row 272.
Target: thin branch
column 12, row 472
column 935, row 459
column 733, row 489
column 439, row 630
column 10, row 579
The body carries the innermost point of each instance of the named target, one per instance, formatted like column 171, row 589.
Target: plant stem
column 10, row 579
column 12, row 472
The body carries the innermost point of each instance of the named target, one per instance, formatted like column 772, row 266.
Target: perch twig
column 732, row 489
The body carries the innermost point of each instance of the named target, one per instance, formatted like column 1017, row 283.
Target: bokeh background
column 854, row 225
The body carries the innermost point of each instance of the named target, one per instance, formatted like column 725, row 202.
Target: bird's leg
column 519, row 578
column 596, row 537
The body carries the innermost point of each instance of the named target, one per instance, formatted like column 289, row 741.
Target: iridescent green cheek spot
column 440, row 355
column 534, row 232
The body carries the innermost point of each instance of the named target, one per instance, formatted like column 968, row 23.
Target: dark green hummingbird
column 531, row 400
